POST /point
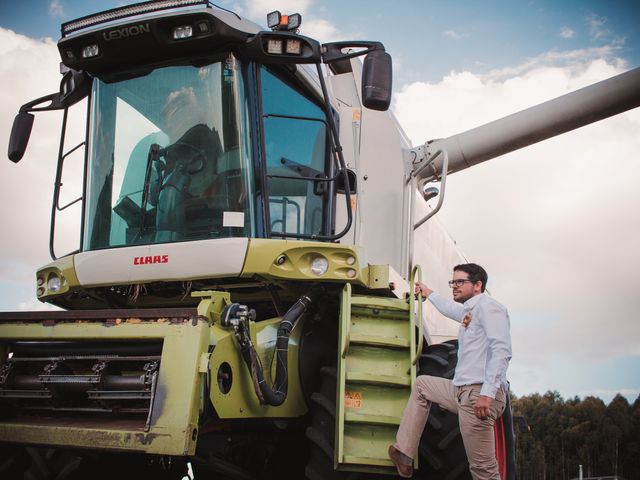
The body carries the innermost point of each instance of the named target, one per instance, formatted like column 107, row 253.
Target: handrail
column 443, row 184
column 346, row 291
column 417, row 271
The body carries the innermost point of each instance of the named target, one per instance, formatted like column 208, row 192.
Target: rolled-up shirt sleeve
column 448, row 308
column 495, row 319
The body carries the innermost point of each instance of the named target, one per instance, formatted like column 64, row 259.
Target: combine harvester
column 240, row 296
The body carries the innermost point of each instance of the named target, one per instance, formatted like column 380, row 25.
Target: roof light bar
column 126, row 11
column 286, row 23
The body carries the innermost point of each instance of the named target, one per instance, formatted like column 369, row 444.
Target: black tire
column 39, row 463
column 321, row 433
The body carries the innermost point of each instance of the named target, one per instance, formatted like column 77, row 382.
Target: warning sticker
column 353, row 399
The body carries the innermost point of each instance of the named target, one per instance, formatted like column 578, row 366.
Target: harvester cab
column 203, row 132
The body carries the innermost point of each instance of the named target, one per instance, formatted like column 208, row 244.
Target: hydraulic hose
column 277, row 394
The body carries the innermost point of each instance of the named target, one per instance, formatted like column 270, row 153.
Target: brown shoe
column 404, row 470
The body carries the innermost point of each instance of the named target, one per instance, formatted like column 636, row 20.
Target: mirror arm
column 53, row 98
column 332, row 52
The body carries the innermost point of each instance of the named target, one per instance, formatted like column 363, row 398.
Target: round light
column 54, row 283
column 280, row 260
column 319, row 265
column 40, row 291
column 351, row 273
column 351, row 260
column 40, row 281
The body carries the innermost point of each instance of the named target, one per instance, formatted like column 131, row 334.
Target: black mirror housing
column 20, row 133
column 351, row 178
column 74, row 87
column 377, row 74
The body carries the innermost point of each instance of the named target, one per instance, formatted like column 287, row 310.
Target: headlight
column 185, row 31
column 90, row 51
column 54, row 283
column 319, row 265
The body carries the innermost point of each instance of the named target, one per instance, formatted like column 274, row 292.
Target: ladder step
column 375, row 373
column 380, row 462
column 373, row 379
column 367, row 445
column 376, row 340
column 353, row 417
column 378, row 303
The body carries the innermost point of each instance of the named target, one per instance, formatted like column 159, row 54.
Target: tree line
column 563, row 434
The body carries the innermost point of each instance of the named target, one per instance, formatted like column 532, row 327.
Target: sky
column 556, row 225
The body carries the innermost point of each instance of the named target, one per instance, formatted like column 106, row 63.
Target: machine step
column 376, row 369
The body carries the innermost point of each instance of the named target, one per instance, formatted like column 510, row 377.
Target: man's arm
column 495, row 321
column 448, row 308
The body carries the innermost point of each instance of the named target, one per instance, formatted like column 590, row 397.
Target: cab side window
column 295, row 138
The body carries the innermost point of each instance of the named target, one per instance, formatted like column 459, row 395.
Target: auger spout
column 568, row 112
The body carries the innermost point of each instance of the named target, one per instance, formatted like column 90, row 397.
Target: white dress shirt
column 484, row 346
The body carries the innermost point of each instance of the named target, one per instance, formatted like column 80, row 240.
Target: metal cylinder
column 568, row 112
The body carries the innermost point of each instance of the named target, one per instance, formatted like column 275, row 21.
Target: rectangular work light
column 185, row 31
column 90, row 51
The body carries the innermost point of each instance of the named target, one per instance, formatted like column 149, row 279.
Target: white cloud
column 56, row 9
column 556, row 224
column 454, row 35
column 566, row 59
column 320, row 29
column 27, row 186
column 597, row 27
column 566, row 32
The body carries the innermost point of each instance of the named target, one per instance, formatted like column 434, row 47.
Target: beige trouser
column 477, row 434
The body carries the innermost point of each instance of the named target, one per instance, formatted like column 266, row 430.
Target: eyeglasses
column 458, row 283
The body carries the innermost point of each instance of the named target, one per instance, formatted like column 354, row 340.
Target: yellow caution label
column 353, row 399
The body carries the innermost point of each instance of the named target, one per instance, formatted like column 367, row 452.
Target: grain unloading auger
column 238, row 296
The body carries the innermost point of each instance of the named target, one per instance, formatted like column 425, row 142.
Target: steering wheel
column 186, row 157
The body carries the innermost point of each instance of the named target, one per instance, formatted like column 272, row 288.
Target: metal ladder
column 376, row 369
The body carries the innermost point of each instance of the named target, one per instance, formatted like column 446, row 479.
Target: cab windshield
column 169, row 158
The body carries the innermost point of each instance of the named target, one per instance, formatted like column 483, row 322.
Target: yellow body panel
column 174, row 416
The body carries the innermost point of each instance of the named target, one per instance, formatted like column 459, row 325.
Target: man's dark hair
column 475, row 272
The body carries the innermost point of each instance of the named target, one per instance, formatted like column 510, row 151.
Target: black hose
column 277, row 394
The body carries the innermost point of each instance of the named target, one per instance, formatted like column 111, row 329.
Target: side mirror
column 376, row 80
column 351, row 178
column 74, row 87
column 20, row 134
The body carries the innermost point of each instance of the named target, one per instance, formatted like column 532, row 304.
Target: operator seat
column 190, row 164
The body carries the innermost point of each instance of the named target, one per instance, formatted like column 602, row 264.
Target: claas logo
column 151, row 259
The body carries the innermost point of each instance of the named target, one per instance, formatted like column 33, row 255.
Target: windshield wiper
column 154, row 155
